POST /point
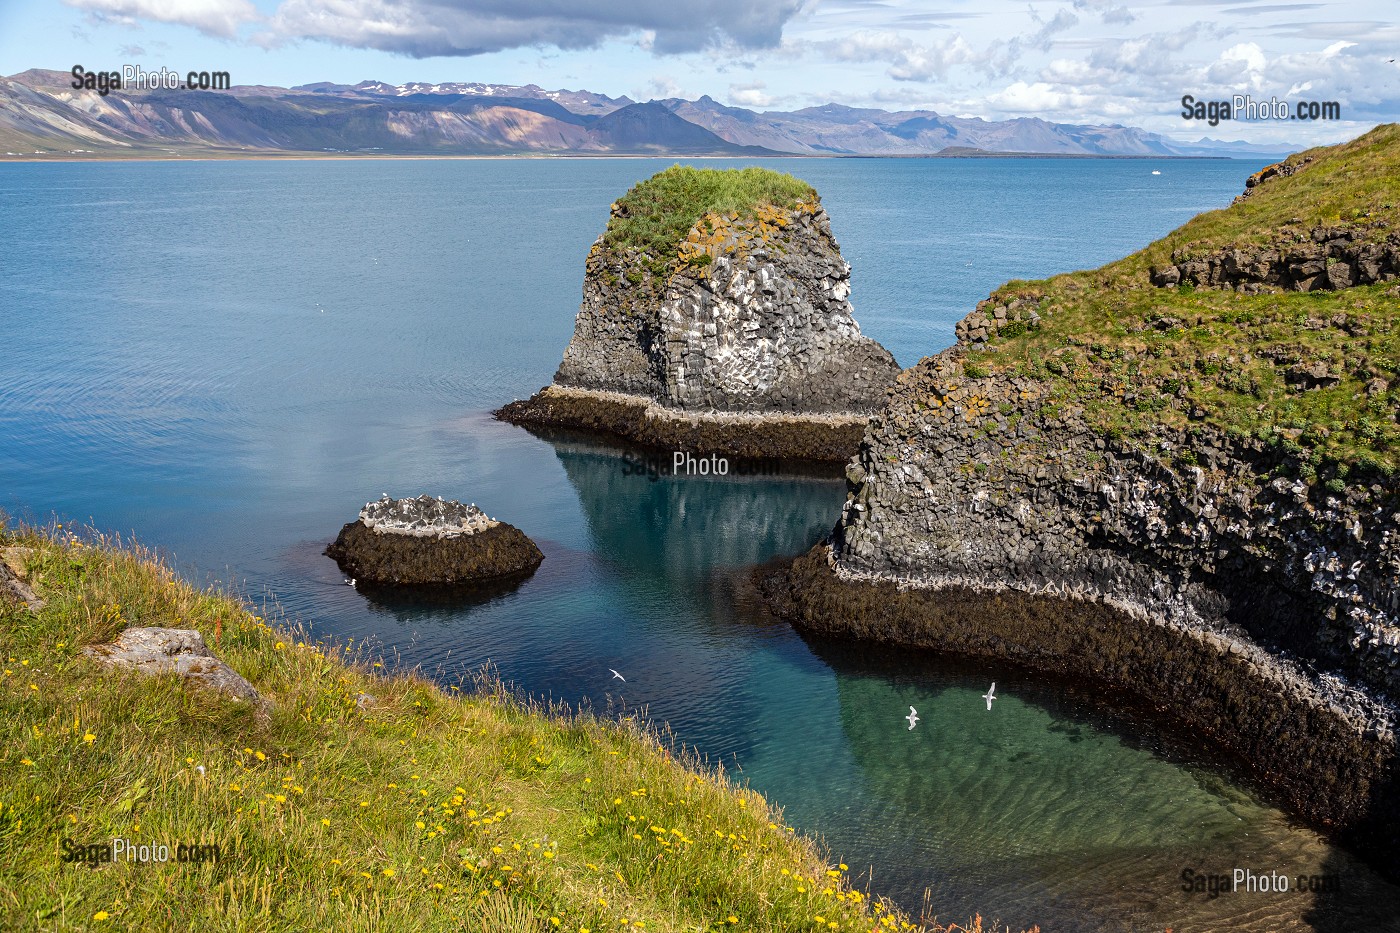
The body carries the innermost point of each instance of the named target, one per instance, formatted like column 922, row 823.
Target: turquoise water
column 227, row 359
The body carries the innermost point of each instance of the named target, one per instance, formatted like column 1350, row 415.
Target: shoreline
column 299, row 156
column 1322, row 749
column 827, row 438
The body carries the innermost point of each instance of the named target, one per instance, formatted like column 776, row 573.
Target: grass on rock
column 427, row 810
column 1135, row 357
column 656, row 214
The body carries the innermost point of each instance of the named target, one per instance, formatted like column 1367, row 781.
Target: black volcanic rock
column 431, row 541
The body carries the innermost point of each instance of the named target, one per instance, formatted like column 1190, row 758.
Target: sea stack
column 1186, row 492
column 431, row 541
column 716, row 319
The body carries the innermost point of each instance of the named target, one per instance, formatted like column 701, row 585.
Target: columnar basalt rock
column 1263, row 613
column 750, row 317
column 1190, row 563
column 431, row 541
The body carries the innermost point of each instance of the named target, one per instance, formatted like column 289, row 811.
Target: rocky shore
column 740, row 340
column 1208, row 570
column 423, row 540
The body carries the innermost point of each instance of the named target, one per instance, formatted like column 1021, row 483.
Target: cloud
column 750, row 95
column 1118, row 15
column 908, row 60
column 221, row 18
column 424, row 28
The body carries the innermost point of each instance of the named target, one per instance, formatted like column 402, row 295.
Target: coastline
column 1320, row 747
column 830, row 438
column 296, row 156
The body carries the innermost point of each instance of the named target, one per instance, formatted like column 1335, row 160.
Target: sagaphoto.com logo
column 136, row 78
column 1245, row 107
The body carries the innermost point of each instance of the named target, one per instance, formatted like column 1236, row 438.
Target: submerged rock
column 431, row 541
column 172, row 650
column 741, row 329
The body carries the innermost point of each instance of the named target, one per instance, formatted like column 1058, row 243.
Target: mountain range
column 42, row 114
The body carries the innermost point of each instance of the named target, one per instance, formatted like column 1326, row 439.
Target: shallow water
column 228, row 359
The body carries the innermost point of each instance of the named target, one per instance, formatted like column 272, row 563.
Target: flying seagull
column 990, row 695
column 350, row 582
column 913, row 717
column 618, row 676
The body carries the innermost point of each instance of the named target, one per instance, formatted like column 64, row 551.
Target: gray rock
column 179, row 651
column 12, row 585
column 758, row 321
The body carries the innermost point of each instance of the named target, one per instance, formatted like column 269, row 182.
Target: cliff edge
column 716, row 318
column 1179, row 483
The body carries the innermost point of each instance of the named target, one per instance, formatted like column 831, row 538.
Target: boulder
column 179, row 651
column 13, row 587
column 424, row 540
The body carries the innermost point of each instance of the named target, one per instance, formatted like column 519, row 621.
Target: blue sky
column 1083, row 61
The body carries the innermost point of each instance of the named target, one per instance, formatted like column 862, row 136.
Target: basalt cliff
column 716, row 318
column 1182, row 486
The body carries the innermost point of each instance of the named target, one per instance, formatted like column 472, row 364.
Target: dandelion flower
column 89, row 738
column 101, row 915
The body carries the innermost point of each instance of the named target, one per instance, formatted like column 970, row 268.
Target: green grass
column 428, row 810
column 656, row 214
column 1135, row 357
column 1354, row 185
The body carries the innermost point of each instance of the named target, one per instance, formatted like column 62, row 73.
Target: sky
column 1070, row 61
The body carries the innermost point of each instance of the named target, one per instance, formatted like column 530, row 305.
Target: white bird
column 618, row 676
column 913, row 717
column 1155, row 172
column 350, row 582
column 990, row 695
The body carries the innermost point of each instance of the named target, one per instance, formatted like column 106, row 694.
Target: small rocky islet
column 716, row 319
column 1176, row 476
column 431, row 541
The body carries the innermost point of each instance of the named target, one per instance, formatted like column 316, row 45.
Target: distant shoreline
column 351, row 156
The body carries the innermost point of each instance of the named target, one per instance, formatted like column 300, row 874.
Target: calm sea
column 227, row 359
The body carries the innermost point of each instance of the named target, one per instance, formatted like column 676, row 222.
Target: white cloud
column 750, row 95
column 221, row 18
column 908, row 60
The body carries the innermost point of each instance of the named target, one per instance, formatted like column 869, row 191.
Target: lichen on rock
column 153, row 651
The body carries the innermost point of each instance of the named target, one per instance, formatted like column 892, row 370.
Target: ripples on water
column 246, row 352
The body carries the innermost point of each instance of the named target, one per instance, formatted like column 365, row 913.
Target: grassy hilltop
column 656, row 214
column 1315, row 374
column 426, row 810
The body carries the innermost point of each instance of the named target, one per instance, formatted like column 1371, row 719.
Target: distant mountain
column 41, row 112
column 836, row 129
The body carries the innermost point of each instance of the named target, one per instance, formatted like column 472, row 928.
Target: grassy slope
column 656, row 214
column 425, row 811
column 1220, row 357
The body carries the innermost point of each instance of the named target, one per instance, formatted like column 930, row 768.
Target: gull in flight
column 913, row 717
column 990, row 695
column 618, row 676
column 350, row 582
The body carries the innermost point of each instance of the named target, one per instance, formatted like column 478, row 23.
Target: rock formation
column 13, row 586
column 153, row 651
column 739, row 340
column 1209, row 570
column 431, row 541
